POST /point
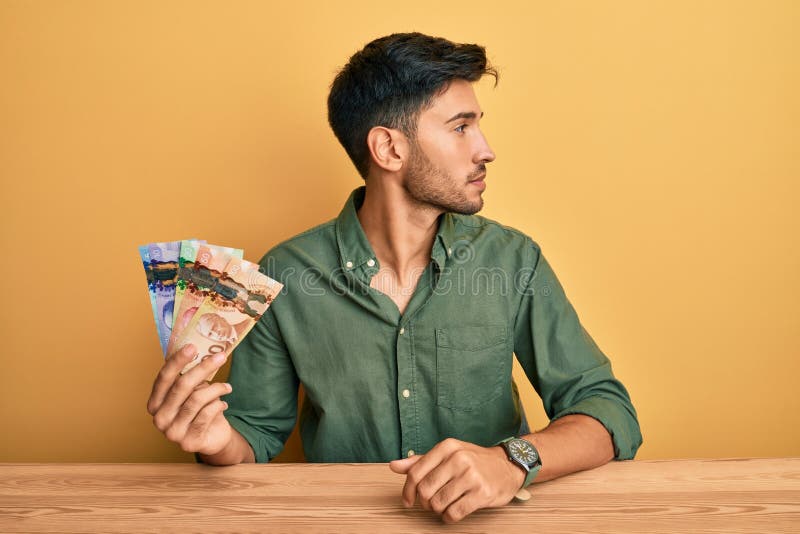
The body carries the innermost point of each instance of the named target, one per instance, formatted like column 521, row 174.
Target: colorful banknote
column 230, row 309
column 186, row 262
column 164, row 263
column 144, row 254
column 208, row 265
column 221, row 295
column 160, row 262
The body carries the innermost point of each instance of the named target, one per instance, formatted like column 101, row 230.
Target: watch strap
column 531, row 475
column 531, row 472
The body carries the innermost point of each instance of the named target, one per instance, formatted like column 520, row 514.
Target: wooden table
column 743, row 495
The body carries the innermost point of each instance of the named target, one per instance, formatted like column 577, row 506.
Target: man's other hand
column 455, row 478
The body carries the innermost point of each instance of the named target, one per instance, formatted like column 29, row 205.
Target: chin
column 477, row 205
column 468, row 208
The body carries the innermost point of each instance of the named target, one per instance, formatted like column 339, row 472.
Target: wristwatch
column 525, row 455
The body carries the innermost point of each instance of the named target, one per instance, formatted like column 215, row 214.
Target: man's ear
column 388, row 148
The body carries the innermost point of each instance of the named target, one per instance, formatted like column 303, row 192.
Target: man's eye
column 460, row 129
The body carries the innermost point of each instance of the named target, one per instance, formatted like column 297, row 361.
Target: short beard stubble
column 429, row 185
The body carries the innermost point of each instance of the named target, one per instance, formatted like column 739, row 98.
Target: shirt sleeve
column 263, row 402
column 565, row 366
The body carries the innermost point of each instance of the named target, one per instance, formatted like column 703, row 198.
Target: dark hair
column 391, row 81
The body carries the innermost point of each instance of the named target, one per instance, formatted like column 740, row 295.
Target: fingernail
column 224, row 405
column 219, row 358
column 229, row 387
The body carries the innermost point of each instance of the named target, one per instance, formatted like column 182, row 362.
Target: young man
column 401, row 316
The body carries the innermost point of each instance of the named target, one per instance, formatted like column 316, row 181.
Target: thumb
column 402, row 466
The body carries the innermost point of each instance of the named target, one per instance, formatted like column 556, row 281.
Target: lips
column 479, row 183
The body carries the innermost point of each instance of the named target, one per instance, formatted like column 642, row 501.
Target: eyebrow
column 463, row 115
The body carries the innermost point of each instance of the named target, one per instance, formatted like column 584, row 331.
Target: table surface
column 736, row 495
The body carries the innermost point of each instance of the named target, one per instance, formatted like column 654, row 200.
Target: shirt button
column 449, row 251
column 349, row 264
column 410, row 453
column 406, row 393
column 371, row 262
column 402, row 331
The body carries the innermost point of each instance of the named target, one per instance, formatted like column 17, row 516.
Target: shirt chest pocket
column 473, row 366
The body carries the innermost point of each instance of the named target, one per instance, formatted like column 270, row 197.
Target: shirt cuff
column 622, row 425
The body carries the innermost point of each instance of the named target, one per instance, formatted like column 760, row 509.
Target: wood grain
column 742, row 495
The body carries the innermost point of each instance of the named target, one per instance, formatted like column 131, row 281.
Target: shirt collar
column 445, row 236
column 354, row 248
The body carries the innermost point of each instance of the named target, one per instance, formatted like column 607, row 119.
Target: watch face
column 522, row 451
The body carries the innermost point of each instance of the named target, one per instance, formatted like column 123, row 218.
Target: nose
column 484, row 153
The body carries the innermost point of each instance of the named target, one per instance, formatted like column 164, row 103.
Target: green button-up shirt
column 380, row 385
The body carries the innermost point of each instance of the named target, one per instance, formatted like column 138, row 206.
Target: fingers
column 462, row 507
column 417, row 472
column 402, row 466
column 182, row 387
column 449, row 490
column 191, row 411
column 449, row 493
column 197, row 434
column 448, row 473
column 455, row 478
column 166, row 376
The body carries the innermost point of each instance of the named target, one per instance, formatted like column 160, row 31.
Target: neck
column 400, row 231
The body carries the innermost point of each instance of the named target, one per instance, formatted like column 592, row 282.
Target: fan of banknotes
column 204, row 294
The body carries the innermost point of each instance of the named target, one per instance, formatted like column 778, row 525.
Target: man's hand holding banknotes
column 205, row 299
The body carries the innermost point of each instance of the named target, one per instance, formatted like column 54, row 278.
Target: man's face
column 446, row 167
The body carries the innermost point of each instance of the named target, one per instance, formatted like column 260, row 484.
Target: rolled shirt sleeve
column 564, row 364
column 263, row 403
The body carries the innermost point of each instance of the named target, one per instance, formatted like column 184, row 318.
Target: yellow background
column 651, row 148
